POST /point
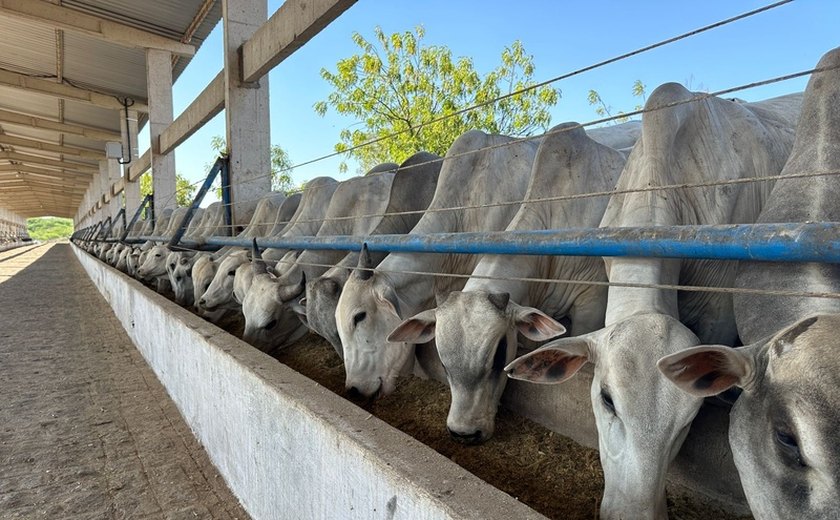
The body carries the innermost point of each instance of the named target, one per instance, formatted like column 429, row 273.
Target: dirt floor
column 549, row 472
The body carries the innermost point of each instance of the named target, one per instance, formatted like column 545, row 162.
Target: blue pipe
column 807, row 242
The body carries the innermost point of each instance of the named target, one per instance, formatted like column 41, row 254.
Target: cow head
column 320, row 303
column 476, row 337
column 641, row 419
column 179, row 268
column 783, row 427
column 154, row 265
column 367, row 311
column 203, row 271
column 220, row 291
column 122, row 261
column 270, row 322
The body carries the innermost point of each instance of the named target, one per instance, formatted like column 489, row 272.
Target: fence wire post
column 226, row 196
column 208, row 182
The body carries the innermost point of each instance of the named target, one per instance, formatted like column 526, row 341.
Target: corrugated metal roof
column 28, row 102
column 32, row 50
column 115, row 68
column 29, row 47
column 92, row 116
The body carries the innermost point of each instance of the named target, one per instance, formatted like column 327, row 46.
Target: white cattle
column 476, row 329
column 179, row 270
column 784, row 426
column 262, row 219
column 480, row 171
column 411, row 192
column 642, row 419
column 350, row 211
column 219, row 293
column 153, row 267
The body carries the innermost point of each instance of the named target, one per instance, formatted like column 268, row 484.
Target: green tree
column 281, row 166
column 395, row 83
column 183, row 189
column 48, row 228
column 605, row 110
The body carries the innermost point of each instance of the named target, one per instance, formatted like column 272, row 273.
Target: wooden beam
column 205, row 107
column 291, row 26
column 40, row 123
column 140, row 166
column 50, row 147
column 118, row 187
column 26, row 158
column 60, row 90
column 100, row 28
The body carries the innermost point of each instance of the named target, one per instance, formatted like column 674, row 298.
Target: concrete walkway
column 86, row 430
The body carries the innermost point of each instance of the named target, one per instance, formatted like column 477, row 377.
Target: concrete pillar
column 114, row 206
column 104, row 188
column 132, row 189
column 246, row 112
column 159, row 84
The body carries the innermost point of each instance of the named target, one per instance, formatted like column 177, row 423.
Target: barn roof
column 66, row 68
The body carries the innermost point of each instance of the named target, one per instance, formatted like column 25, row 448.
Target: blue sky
column 561, row 35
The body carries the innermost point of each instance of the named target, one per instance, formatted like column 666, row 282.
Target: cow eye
column 606, row 398
column 789, row 445
column 500, row 358
column 358, row 318
column 157, row 255
column 172, row 266
column 270, row 325
column 177, row 278
column 232, row 272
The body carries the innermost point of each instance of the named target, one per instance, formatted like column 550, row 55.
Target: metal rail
column 805, row 242
column 221, row 165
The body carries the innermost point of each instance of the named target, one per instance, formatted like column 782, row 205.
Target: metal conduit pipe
column 804, row 242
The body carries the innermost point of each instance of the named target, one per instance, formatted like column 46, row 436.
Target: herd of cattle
column 656, row 352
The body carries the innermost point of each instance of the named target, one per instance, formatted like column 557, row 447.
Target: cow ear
column 419, row 329
column 534, row 324
column 288, row 292
column 299, row 308
column 555, row 362
column 708, row 370
column 387, row 297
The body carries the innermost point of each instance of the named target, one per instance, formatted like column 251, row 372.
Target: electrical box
column 113, row 150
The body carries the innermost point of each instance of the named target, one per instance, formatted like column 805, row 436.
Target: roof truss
column 90, row 25
column 63, row 91
column 91, row 132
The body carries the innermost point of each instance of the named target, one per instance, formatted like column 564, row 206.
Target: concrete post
column 113, row 167
column 132, row 189
column 246, row 112
column 104, row 188
column 159, row 84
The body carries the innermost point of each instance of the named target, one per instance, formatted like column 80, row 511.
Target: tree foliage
column 604, row 110
column 395, row 83
column 48, row 228
column 183, row 189
column 281, row 166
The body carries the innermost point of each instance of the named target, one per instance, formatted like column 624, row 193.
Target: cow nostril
column 466, row 438
column 202, row 302
column 354, row 392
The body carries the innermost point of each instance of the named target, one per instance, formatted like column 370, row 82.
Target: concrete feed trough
column 285, row 445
